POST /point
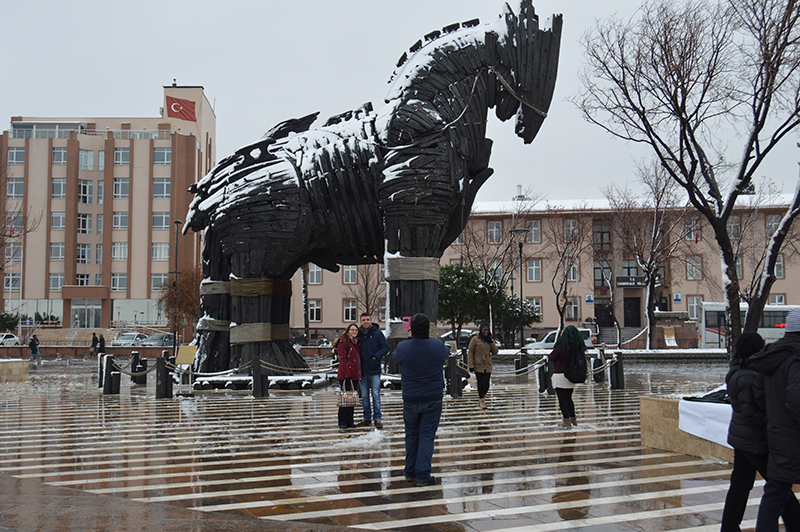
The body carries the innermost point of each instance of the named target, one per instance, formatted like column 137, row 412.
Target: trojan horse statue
column 393, row 186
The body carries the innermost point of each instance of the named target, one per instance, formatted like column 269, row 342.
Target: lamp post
column 175, row 293
column 520, row 231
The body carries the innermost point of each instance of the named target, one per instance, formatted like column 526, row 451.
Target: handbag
column 348, row 398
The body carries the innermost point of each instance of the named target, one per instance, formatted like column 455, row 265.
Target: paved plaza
column 74, row 459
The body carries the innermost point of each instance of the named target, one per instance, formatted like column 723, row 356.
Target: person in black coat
column 779, row 366
column 748, row 436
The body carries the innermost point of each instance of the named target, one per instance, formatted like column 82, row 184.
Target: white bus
column 712, row 324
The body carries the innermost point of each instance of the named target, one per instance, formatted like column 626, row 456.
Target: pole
column 175, row 289
column 521, row 300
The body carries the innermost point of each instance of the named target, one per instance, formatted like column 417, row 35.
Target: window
column 13, row 281
column 56, row 251
column 119, row 282
column 162, row 155
column 739, row 267
column 496, row 267
column 56, row 281
column 15, row 188
column 120, row 220
column 161, row 188
column 536, row 303
column 573, row 269
column 58, row 221
column 350, row 274
column 101, row 160
column 82, row 279
column 777, row 299
column 98, row 255
column 382, row 310
column 350, row 310
column 58, row 188
column 119, row 251
column 314, row 310
column 602, row 271
column 630, row 268
column 734, row 226
column 779, row 266
column 84, row 191
column 534, row 235
column 86, row 160
column 314, row 274
column 601, row 237
column 772, row 220
column 692, row 229
column 84, row 224
column 572, row 310
column 121, row 187
column 534, row 270
column 99, row 224
column 16, row 156
column 158, row 281
column 694, row 267
column 570, row 230
column 122, row 156
column 159, row 251
column 694, row 303
column 100, row 187
column 84, row 253
column 14, row 250
column 160, row 220
column 494, row 232
column 459, row 239
column 59, row 156
column 381, row 273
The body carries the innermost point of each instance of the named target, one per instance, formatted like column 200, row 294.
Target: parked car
column 549, row 340
column 9, row 339
column 159, row 340
column 128, row 339
column 463, row 340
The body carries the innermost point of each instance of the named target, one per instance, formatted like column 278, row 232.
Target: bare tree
column 567, row 237
column 681, row 76
column 489, row 250
column 652, row 230
column 184, row 311
column 369, row 290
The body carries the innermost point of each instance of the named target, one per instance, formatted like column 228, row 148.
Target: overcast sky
column 264, row 61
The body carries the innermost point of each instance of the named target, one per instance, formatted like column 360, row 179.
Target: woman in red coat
column 349, row 374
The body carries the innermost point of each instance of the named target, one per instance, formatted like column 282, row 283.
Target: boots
column 482, row 403
column 573, row 421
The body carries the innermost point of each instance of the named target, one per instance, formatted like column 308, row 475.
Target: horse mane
column 429, row 37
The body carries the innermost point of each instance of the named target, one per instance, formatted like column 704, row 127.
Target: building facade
column 90, row 210
column 602, row 279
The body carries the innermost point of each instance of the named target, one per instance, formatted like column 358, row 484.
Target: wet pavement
column 73, row 459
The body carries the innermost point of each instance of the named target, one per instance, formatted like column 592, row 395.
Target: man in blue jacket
column 373, row 348
column 421, row 360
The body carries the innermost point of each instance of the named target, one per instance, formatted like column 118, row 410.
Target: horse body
column 401, row 181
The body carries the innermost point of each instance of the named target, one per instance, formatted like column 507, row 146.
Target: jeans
column 773, row 502
column 371, row 386
column 421, row 422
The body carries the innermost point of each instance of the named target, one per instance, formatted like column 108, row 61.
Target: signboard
column 186, row 354
column 676, row 297
column 630, row 282
column 590, row 299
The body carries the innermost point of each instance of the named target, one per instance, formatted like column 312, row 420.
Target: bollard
column 545, row 378
column 100, row 370
column 260, row 379
column 134, row 364
column 600, row 376
column 465, row 356
column 107, row 381
column 619, row 374
column 452, row 376
column 163, row 380
column 138, row 365
column 115, row 382
column 521, row 366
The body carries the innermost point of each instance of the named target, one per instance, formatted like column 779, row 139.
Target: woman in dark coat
column 569, row 344
column 479, row 357
column 349, row 373
column 747, row 435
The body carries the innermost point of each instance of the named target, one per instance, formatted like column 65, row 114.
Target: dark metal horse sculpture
column 415, row 167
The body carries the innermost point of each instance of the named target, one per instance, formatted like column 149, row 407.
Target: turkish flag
column 182, row 109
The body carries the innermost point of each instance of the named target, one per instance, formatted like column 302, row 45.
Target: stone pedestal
column 13, row 370
column 659, row 419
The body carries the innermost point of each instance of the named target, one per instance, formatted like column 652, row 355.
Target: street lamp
column 520, row 231
column 175, row 293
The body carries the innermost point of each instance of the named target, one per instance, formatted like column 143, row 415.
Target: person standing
column 421, row 360
column 779, row 365
column 748, row 437
column 34, row 347
column 95, row 341
column 479, row 360
column 101, row 345
column 349, row 372
column 374, row 347
column 569, row 344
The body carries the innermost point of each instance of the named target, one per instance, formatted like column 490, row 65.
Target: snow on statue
column 415, row 166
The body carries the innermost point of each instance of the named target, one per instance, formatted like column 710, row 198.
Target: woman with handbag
column 349, row 374
column 479, row 356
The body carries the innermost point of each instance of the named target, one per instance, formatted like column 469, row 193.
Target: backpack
column 575, row 370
